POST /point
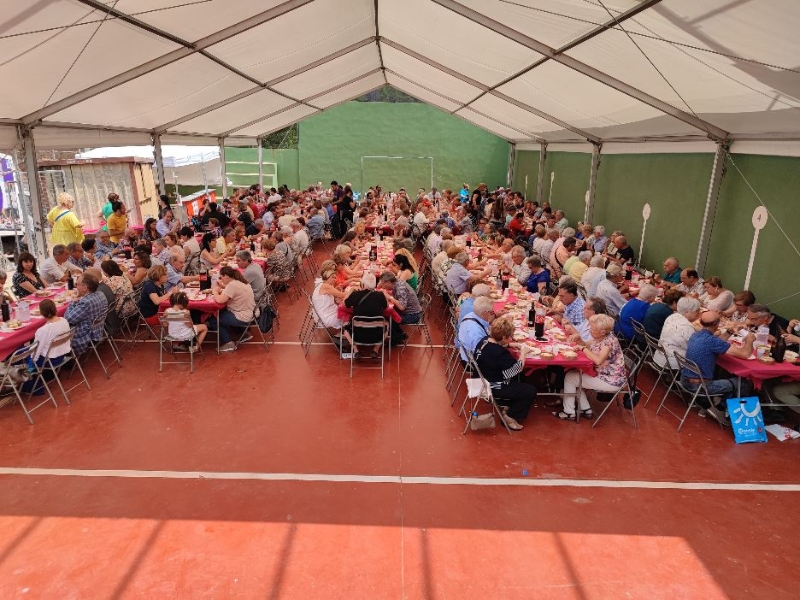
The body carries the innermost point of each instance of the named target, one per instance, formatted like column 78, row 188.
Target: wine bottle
column 779, row 348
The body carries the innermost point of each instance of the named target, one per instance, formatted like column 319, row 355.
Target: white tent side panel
column 64, row 138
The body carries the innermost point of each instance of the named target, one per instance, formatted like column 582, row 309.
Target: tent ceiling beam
column 486, row 89
column 305, row 101
column 378, row 42
column 268, row 85
column 266, row 133
column 188, row 49
column 713, row 131
column 623, row 16
column 310, row 99
column 432, row 63
column 527, row 134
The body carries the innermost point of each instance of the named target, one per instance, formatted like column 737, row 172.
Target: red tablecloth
column 533, row 363
column 11, row 340
column 758, row 372
column 204, row 305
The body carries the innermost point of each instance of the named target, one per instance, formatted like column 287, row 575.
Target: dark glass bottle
column 779, row 348
column 70, row 282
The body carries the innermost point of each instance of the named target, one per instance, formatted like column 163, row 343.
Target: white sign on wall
column 645, row 215
column 760, row 218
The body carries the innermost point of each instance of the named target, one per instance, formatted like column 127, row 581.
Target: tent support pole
column 36, row 238
column 260, row 165
column 540, row 177
column 512, row 157
column 223, row 167
column 159, row 156
column 717, row 173
column 589, row 213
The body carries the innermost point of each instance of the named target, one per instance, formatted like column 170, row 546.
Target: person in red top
column 517, row 225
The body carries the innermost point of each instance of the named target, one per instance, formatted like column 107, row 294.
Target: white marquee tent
column 87, row 73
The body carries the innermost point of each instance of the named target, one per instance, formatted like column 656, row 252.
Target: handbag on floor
column 484, row 421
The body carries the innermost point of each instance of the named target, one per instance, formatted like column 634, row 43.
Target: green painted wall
column 570, row 183
column 288, row 166
column 332, row 144
column 526, row 165
column 777, row 181
column 675, row 186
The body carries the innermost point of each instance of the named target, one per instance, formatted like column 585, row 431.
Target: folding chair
column 677, row 382
column 167, row 341
column 54, row 365
column 654, row 347
column 313, row 323
column 99, row 325
column 422, row 324
column 260, row 304
column 19, row 360
column 143, row 325
column 627, row 388
column 478, row 388
column 366, row 325
column 271, row 299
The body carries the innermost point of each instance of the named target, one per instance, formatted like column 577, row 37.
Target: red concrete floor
column 254, row 413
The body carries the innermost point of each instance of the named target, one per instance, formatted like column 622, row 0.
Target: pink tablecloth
column 206, row 305
column 11, row 340
column 534, row 362
column 758, row 372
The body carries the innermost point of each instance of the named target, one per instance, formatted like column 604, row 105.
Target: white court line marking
column 398, row 479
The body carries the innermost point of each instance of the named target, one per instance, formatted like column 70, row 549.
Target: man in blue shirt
column 84, row 312
column 573, row 303
column 702, row 349
column 475, row 325
column 635, row 309
column 481, row 290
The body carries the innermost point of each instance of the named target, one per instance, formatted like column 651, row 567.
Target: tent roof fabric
column 529, row 71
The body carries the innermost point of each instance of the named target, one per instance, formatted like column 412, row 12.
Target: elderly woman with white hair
column 65, row 225
column 677, row 330
column 606, row 354
column 635, row 309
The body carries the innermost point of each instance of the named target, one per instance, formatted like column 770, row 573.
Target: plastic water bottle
column 762, row 336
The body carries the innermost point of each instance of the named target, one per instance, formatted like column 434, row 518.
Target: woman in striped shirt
column 501, row 369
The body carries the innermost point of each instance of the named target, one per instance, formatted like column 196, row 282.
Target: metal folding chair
column 478, row 388
column 422, row 324
column 632, row 367
column 686, row 392
column 364, row 325
column 55, row 365
column 168, row 341
column 260, row 304
column 654, row 347
column 313, row 323
column 99, row 324
column 11, row 389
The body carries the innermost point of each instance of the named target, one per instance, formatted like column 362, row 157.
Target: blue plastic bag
column 746, row 420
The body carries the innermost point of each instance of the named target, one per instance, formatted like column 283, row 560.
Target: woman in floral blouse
column 605, row 352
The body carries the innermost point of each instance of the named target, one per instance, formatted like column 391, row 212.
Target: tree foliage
column 285, row 138
column 386, row 94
